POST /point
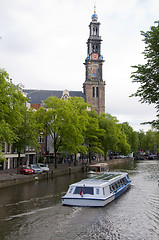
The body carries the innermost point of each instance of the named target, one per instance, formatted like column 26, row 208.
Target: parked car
column 43, row 167
column 151, row 157
column 24, row 169
column 36, row 168
column 139, row 158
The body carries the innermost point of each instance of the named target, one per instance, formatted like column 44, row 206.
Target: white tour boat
column 97, row 168
column 97, row 191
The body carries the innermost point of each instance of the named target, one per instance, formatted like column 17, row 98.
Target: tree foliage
column 147, row 75
column 113, row 139
column 93, row 134
column 131, row 136
column 11, row 101
column 72, row 138
column 149, row 141
column 27, row 132
column 65, row 121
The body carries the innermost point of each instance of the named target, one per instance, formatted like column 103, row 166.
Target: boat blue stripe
column 83, row 198
column 121, row 190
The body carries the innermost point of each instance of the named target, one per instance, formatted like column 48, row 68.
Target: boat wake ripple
column 26, row 213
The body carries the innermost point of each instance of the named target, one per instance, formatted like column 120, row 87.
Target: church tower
column 94, row 86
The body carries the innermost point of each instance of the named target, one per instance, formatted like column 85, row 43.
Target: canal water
column 34, row 210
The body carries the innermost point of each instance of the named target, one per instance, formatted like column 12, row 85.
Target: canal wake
column 27, row 213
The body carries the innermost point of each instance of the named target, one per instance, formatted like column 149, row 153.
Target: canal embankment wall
column 10, row 177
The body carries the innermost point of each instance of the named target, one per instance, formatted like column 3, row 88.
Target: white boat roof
column 98, row 165
column 98, row 181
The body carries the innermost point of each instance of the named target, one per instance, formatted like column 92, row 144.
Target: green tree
column 27, row 132
column 93, row 134
column 141, row 135
column 11, row 101
column 131, row 136
column 65, row 122
column 79, row 120
column 147, row 75
column 150, row 142
column 157, row 141
column 113, row 139
column 55, row 115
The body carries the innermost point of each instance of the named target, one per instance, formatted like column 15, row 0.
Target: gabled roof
column 37, row 96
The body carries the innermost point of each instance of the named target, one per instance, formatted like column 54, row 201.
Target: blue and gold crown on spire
column 95, row 16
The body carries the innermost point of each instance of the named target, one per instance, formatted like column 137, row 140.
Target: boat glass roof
column 99, row 180
column 106, row 177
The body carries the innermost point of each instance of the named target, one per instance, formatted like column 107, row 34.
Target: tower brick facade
column 94, row 86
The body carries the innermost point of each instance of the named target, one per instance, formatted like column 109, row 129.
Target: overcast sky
column 43, row 46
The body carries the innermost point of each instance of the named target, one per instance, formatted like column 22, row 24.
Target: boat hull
column 85, row 202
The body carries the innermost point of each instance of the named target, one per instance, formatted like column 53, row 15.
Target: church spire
column 94, row 16
column 94, row 86
column 94, row 8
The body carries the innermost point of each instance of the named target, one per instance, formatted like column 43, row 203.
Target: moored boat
column 97, row 191
column 96, row 169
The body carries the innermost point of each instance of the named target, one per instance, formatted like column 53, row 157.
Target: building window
column 41, row 139
column 93, row 93
column 97, row 92
column 3, row 147
column 8, row 147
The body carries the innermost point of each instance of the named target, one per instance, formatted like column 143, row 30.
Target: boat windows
column 119, row 184
column 124, row 180
column 111, row 189
column 115, row 186
column 92, row 169
column 70, row 190
column 84, row 190
column 128, row 177
column 104, row 191
column 103, row 169
column 97, row 190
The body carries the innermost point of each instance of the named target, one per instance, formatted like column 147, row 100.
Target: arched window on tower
column 95, row 48
column 93, row 92
column 95, row 31
column 97, row 92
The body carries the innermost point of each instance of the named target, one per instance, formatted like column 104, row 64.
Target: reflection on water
column 34, row 211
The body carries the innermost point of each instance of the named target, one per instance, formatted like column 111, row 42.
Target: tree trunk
column 18, row 165
column 55, row 164
column 89, row 157
column 75, row 160
column 55, row 149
